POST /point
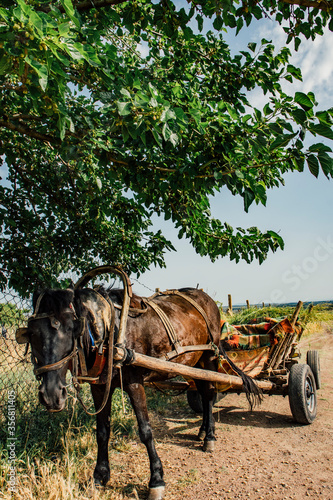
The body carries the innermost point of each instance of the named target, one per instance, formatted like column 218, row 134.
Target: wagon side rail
column 285, row 346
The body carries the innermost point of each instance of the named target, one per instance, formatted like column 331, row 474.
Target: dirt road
column 261, row 454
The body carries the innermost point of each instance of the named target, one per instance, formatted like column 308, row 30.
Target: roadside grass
column 56, row 453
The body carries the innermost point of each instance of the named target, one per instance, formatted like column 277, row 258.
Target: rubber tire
column 312, row 359
column 195, row 403
column 302, row 394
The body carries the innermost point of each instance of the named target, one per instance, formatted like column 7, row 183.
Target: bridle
column 38, row 370
column 77, row 354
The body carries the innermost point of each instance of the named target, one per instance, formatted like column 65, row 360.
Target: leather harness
column 178, row 349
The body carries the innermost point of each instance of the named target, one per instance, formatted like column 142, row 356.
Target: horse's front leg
column 102, row 469
column 136, row 392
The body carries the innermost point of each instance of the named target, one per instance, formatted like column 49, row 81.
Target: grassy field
column 56, row 453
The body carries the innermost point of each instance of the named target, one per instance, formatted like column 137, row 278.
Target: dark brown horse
column 65, row 319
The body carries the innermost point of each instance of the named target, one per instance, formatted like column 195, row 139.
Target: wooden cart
column 274, row 366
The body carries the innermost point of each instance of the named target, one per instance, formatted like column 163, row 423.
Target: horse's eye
column 55, row 323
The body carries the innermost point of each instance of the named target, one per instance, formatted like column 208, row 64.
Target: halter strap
column 58, row 364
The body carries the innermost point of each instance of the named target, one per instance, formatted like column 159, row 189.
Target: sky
column 301, row 211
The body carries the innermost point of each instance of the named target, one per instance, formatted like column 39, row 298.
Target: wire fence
column 16, row 370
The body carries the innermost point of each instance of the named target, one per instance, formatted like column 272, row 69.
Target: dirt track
column 262, row 454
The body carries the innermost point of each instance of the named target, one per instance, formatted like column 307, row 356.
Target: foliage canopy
column 113, row 111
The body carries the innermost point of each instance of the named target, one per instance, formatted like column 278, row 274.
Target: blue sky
column 301, row 211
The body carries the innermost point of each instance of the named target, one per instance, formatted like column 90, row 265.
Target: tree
column 97, row 137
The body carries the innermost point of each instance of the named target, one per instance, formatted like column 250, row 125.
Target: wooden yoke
column 120, row 351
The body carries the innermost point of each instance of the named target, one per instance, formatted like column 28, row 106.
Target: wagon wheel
column 302, row 394
column 312, row 359
column 195, row 403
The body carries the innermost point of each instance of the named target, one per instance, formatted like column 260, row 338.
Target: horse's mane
column 53, row 301
column 117, row 296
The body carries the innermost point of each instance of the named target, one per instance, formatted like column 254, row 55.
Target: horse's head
column 52, row 331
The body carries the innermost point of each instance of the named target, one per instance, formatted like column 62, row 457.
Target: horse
column 71, row 327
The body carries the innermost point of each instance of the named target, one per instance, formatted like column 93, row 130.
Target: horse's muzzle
column 53, row 398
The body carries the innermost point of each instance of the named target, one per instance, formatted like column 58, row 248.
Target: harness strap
column 194, row 304
column 167, row 325
column 109, row 370
column 190, row 348
column 58, row 364
column 178, row 348
column 83, row 364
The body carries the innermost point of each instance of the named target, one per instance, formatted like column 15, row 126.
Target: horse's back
column 192, row 318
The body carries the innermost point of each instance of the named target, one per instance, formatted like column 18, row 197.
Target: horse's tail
column 253, row 392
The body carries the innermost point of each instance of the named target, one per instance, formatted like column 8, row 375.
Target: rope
column 122, row 389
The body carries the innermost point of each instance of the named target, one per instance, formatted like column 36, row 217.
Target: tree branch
column 26, row 117
column 96, row 4
column 28, row 131
column 86, row 5
column 321, row 4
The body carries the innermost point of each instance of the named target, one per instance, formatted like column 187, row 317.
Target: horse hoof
column 156, row 493
column 101, row 475
column 201, row 435
column 209, row 446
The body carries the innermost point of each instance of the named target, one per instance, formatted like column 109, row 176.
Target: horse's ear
column 71, row 285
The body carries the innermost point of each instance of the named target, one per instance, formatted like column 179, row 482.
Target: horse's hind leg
column 137, row 395
column 207, row 429
column 102, row 469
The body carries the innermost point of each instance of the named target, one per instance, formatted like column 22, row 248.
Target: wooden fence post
column 247, row 304
column 229, row 311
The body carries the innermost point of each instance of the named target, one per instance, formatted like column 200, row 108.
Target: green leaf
column 99, row 183
column 277, row 238
column 124, row 108
column 297, row 42
column 218, row 23
column 321, row 129
column 303, row 100
column 64, row 29
column 5, row 14
column 68, row 6
column 249, row 198
column 299, row 116
column 313, row 165
column 37, row 23
column 324, row 117
column 326, row 163
column 157, row 137
column 319, row 147
column 282, row 140
column 5, row 64
column 41, row 70
column 231, row 111
column 125, row 92
column 200, row 22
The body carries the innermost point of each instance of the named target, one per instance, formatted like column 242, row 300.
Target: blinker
column 22, row 336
